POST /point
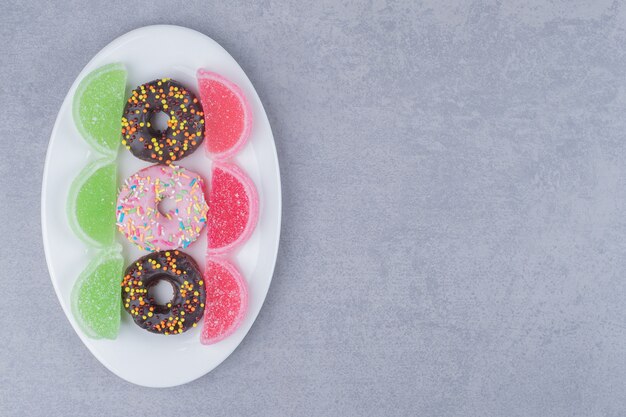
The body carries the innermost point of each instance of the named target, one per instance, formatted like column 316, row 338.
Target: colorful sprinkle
column 138, row 215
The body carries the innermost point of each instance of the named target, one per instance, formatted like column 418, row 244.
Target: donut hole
column 167, row 206
column 162, row 291
column 159, row 121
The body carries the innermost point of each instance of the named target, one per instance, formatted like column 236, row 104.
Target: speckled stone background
column 454, row 226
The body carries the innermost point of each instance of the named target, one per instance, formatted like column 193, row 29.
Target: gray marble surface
column 454, row 184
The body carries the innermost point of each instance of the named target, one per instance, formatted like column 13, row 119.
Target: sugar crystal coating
column 227, row 113
column 226, row 301
column 233, row 208
column 96, row 298
column 91, row 203
column 98, row 105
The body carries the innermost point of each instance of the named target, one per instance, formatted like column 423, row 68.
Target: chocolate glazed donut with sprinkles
column 183, row 311
column 185, row 127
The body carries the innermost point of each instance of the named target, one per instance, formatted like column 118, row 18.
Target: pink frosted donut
column 233, row 209
column 226, row 301
column 227, row 115
column 148, row 226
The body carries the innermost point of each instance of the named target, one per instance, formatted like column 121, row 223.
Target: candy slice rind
column 226, row 302
column 227, row 115
column 91, row 203
column 98, row 105
column 96, row 301
column 233, row 209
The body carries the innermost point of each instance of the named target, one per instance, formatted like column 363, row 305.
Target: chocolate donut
column 185, row 127
column 183, row 311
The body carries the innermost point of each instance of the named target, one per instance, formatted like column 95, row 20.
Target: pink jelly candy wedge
column 233, row 209
column 226, row 301
column 227, row 115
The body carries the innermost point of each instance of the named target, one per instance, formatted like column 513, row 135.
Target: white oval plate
column 136, row 355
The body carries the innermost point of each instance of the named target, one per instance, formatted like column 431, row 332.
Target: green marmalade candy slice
column 91, row 204
column 98, row 107
column 96, row 301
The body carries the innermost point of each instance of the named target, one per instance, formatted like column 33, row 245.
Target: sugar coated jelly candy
column 226, row 301
column 96, row 301
column 98, row 106
column 227, row 115
column 91, row 203
column 233, row 208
